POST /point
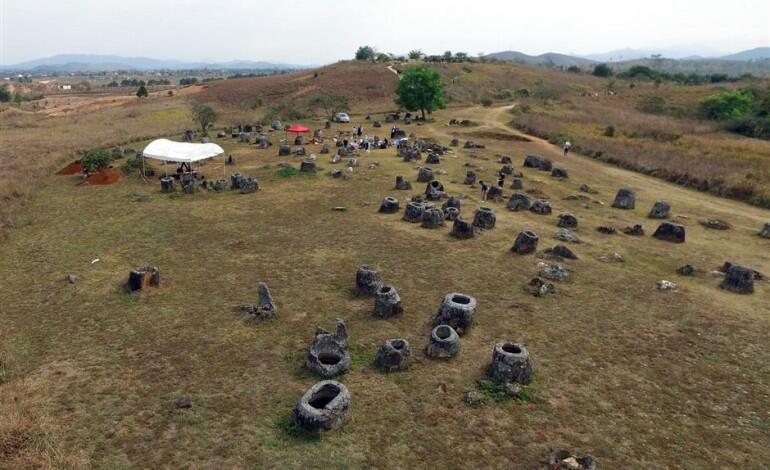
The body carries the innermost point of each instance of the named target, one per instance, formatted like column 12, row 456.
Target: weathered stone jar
column 511, row 363
column 444, row 343
column 457, row 310
column 323, row 407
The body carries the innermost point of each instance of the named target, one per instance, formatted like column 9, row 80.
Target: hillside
column 549, row 58
column 360, row 83
column 758, row 53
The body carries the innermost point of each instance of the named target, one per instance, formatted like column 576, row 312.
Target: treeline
column 133, row 82
column 648, row 73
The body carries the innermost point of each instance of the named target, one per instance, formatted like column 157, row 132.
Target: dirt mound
column 360, row 83
column 101, row 177
column 74, row 168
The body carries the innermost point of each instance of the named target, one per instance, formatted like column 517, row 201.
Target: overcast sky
column 323, row 31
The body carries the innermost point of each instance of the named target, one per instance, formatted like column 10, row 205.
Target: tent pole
column 144, row 177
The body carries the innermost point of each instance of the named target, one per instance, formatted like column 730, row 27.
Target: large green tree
column 365, row 53
column 420, row 89
column 142, row 92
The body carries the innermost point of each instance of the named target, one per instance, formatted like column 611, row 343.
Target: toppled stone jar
column 387, row 302
column 368, row 281
column 394, row 354
column 328, row 355
column 323, row 407
column 444, row 342
column 457, row 310
column 141, row 278
column 511, row 363
column 670, row 232
column 660, row 210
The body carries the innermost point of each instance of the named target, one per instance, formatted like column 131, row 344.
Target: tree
column 365, row 53
column 448, row 56
column 602, row 70
column 383, row 57
column 329, row 103
column 461, row 56
column 204, row 115
column 420, row 88
column 415, row 54
column 142, row 92
column 5, row 95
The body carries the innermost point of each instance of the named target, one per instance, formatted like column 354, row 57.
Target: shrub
column 523, row 93
column 574, row 69
column 727, row 105
column 5, row 95
column 504, row 95
column 486, row 102
column 609, row 131
column 365, row 53
column 96, row 159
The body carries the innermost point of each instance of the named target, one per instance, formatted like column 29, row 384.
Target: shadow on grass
column 290, row 430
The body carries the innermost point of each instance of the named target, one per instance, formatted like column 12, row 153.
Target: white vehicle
column 342, row 117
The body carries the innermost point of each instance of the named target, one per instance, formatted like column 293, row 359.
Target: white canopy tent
column 181, row 152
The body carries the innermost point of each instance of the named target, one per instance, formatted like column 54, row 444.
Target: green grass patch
column 286, row 425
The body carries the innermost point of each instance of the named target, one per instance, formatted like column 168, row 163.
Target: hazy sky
column 322, row 31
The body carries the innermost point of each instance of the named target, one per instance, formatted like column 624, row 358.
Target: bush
column 574, row 69
column 755, row 126
column 523, row 93
column 96, row 159
column 486, row 102
column 504, row 95
column 728, row 105
column 365, row 53
column 609, row 131
column 5, row 95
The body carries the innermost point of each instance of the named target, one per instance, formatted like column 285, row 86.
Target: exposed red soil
column 74, row 168
column 101, row 177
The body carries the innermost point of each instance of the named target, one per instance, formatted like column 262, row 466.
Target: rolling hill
column 549, row 58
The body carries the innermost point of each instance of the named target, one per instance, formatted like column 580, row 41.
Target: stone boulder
column 328, row 355
column 307, row 166
column 387, row 302
column 325, row 149
column 567, row 220
column 457, row 310
column 462, row 229
column 539, row 287
column 484, row 218
column 562, row 251
column 559, row 173
column 635, row 231
column 454, row 142
column 716, row 224
column 432, row 217
column 511, row 363
column 765, row 232
column 248, row 185
column 470, row 177
column 389, row 205
column 265, row 308
column 505, row 159
column 660, row 210
column 433, row 159
column 451, row 213
column 738, row 279
column 323, row 407
column 219, row 185
column 545, row 165
column 368, row 281
column 444, row 343
column 495, row 193
column 394, row 355
column 452, row 202
column 532, row 161
column 625, row 199
column 525, row 243
column 284, row 151
column 506, row 170
column 519, row 202
column 670, row 232
column 413, row 211
column 517, row 184
column 541, row 206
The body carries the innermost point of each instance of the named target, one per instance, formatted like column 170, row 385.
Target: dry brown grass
column 683, row 150
column 637, row 377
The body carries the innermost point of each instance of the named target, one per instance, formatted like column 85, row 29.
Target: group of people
column 485, row 186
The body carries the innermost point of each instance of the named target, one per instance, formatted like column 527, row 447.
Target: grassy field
column 639, row 378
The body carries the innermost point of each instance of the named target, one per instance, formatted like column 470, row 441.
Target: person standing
column 567, row 147
column 484, row 190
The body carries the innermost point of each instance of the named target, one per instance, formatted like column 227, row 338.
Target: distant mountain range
column 623, row 55
column 99, row 63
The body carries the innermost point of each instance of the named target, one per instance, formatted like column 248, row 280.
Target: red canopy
column 297, row 128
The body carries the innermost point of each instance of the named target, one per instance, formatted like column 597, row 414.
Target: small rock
column 666, row 285
column 686, row 270
column 565, row 235
column 71, row 278
column 635, row 231
column 606, row 229
column 473, row 398
column 716, row 224
column 183, row 402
